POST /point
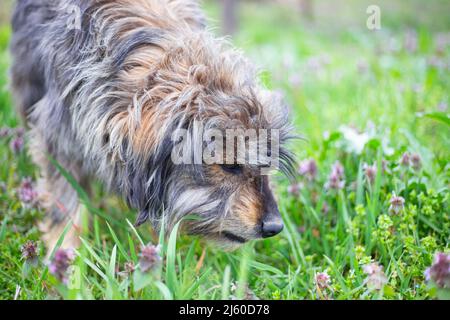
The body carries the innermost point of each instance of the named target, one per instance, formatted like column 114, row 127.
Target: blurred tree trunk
column 229, row 16
column 307, row 9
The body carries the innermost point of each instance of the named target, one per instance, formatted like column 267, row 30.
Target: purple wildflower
column 362, row 66
column 308, row 169
column 439, row 272
column 370, row 172
column 129, row 268
column 20, row 132
column 397, row 204
column 416, row 161
column 60, row 264
column 334, row 183
column 376, row 279
column 410, row 43
column 405, row 159
column 294, row 189
column 16, row 145
column 442, row 41
column 295, row 80
column 322, row 280
column 338, row 169
column 437, row 62
column 27, row 193
column 325, row 208
column 442, row 106
column 335, row 179
column 315, row 63
column 417, row 88
column 149, row 257
column 4, row 132
column 30, row 252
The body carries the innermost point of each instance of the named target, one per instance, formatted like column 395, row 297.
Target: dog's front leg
column 56, row 195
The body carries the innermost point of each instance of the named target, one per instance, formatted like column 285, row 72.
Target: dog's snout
column 272, row 227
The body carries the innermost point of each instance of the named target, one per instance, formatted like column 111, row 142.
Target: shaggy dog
column 103, row 85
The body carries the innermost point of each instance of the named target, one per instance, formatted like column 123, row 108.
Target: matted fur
column 103, row 100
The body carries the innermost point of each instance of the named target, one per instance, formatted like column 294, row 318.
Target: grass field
column 371, row 206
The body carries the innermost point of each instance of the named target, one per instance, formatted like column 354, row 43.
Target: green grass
column 395, row 96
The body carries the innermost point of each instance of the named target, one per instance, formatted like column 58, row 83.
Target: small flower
column 4, row 132
column 149, row 258
column 129, row 268
column 322, row 280
column 30, row 252
column 417, row 88
column 405, row 159
column 27, row 193
column 439, row 272
column 316, row 63
column 60, row 264
column 397, row 204
column 295, row 80
column 355, row 139
column 416, row 161
column 325, row 208
column 338, row 170
column 248, row 293
column 20, row 132
column 294, row 189
column 16, row 145
column 410, row 43
column 308, row 169
column 370, row 172
column 442, row 41
column 437, row 62
column 334, row 183
column 376, row 279
column 442, row 106
column 335, row 179
column 362, row 66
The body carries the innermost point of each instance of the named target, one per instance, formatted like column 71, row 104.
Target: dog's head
column 208, row 137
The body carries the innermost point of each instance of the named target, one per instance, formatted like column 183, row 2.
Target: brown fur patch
column 248, row 206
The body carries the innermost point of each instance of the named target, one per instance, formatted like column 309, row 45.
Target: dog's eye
column 232, row 168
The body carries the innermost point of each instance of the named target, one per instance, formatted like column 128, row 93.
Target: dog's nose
column 271, row 228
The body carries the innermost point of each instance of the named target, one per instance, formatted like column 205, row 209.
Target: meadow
column 367, row 218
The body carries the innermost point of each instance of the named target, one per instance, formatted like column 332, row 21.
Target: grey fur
column 71, row 87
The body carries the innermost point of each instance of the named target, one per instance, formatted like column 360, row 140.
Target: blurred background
column 332, row 69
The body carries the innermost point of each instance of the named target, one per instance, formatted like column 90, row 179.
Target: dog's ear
column 147, row 183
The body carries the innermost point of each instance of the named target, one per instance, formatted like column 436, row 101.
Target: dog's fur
column 104, row 99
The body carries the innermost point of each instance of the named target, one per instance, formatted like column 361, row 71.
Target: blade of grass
column 171, row 275
column 226, row 283
column 164, row 290
column 118, row 243
column 3, row 229
column 135, row 233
